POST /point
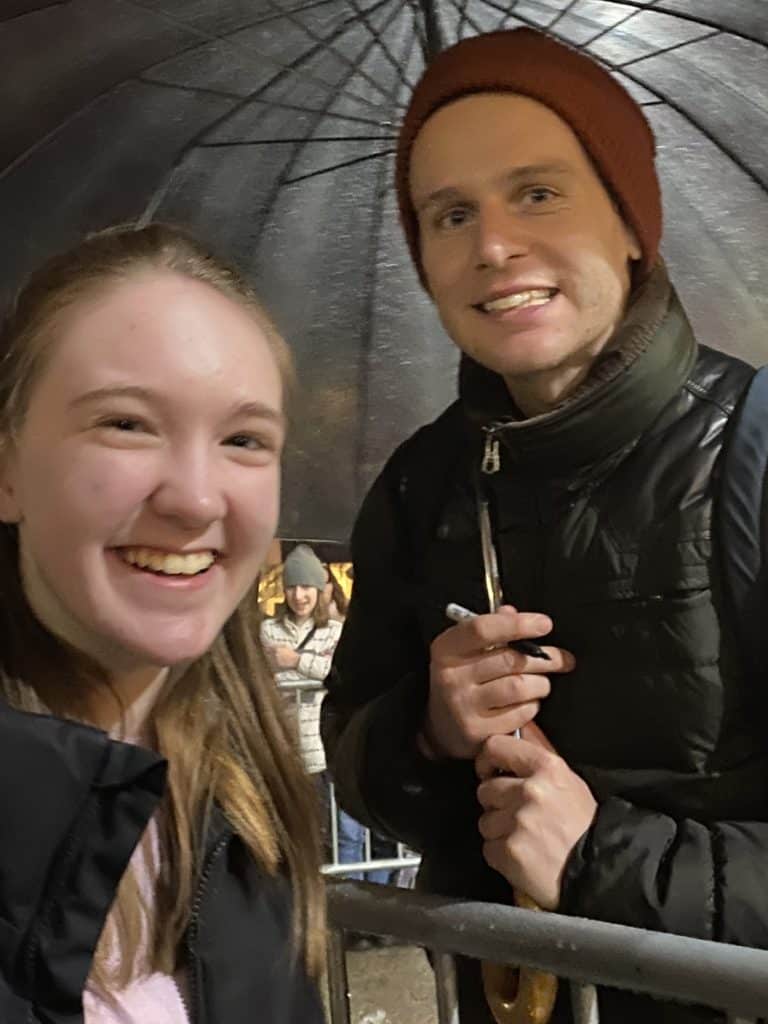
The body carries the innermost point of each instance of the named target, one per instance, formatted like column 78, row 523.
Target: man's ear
column 10, row 511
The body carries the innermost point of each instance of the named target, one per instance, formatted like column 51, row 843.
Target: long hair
column 338, row 597
column 321, row 613
column 220, row 724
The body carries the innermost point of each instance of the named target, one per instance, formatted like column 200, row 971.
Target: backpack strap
column 742, row 525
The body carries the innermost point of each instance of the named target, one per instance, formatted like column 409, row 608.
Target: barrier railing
column 730, row 978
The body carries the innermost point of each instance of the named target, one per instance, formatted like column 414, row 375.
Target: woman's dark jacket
column 73, row 805
column 602, row 513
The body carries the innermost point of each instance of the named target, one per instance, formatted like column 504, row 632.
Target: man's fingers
column 484, row 631
column 509, row 754
column 482, row 667
column 496, row 855
column 506, row 721
column 508, row 624
column 475, row 727
column 498, row 792
column 512, row 690
column 497, row 824
column 532, row 732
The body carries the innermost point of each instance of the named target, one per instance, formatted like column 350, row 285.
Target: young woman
column 299, row 642
column 157, row 860
column 335, row 597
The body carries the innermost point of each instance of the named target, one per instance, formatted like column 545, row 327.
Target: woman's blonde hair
column 220, row 725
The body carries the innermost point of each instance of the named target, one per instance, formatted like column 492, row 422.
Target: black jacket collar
column 628, row 386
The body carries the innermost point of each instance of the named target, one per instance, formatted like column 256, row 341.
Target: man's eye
column 539, row 194
column 452, row 218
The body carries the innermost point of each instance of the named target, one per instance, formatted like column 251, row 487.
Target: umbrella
column 268, row 127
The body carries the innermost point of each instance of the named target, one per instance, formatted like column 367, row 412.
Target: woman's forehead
column 164, row 332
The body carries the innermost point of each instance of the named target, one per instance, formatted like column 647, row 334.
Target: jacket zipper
column 192, row 930
column 491, row 454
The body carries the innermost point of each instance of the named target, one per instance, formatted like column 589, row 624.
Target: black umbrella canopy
column 268, row 127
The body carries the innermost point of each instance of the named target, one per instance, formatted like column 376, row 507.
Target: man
column 589, row 424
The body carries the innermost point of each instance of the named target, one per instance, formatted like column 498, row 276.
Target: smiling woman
column 142, row 393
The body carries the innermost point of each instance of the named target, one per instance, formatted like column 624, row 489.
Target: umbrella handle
column 519, row 995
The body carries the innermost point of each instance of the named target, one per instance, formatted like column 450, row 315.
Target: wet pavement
column 393, row 985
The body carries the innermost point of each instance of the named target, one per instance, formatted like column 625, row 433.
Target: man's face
column 525, row 255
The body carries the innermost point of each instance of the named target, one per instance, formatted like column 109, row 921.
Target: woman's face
column 145, row 478
column 301, row 600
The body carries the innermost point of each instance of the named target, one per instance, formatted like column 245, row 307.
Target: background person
column 335, row 597
column 299, row 641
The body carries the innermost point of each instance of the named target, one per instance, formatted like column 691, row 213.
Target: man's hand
column 534, row 817
column 283, row 657
column 479, row 687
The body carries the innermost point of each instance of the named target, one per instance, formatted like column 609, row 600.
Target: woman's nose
column 190, row 491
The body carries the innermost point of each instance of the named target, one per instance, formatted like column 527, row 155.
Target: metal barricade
column 405, row 861
column 725, row 977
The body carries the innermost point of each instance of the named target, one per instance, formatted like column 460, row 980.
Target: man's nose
column 190, row 490
column 500, row 236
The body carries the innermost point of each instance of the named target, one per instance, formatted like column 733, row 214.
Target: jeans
column 352, row 849
column 351, row 835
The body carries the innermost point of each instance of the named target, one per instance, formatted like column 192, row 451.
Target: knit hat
column 609, row 124
column 302, row 568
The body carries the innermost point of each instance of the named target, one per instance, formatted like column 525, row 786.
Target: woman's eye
column 122, row 423
column 248, row 441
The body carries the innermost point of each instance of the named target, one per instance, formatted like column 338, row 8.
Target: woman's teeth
column 536, row 297
column 170, row 564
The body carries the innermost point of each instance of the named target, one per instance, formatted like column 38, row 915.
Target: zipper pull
column 491, row 456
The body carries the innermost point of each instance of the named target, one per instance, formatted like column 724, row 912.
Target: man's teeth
column 171, row 564
column 518, row 300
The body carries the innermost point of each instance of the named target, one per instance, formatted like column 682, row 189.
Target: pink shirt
column 155, row 998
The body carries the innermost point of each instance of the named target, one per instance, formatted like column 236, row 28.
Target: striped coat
column 314, row 664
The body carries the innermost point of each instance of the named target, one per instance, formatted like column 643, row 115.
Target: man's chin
column 522, row 355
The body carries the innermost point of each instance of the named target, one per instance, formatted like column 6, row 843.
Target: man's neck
column 538, row 393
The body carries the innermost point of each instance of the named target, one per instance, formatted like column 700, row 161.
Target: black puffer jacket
column 602, row 513
column 73, row 805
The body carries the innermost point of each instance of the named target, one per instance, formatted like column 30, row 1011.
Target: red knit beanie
column 609, row 124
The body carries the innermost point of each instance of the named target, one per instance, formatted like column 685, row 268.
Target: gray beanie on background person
column 302, row 568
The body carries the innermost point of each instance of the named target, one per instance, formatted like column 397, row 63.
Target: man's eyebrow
column 543, row 169
column 436, row 198
column 257, row 409
column 450, row 192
